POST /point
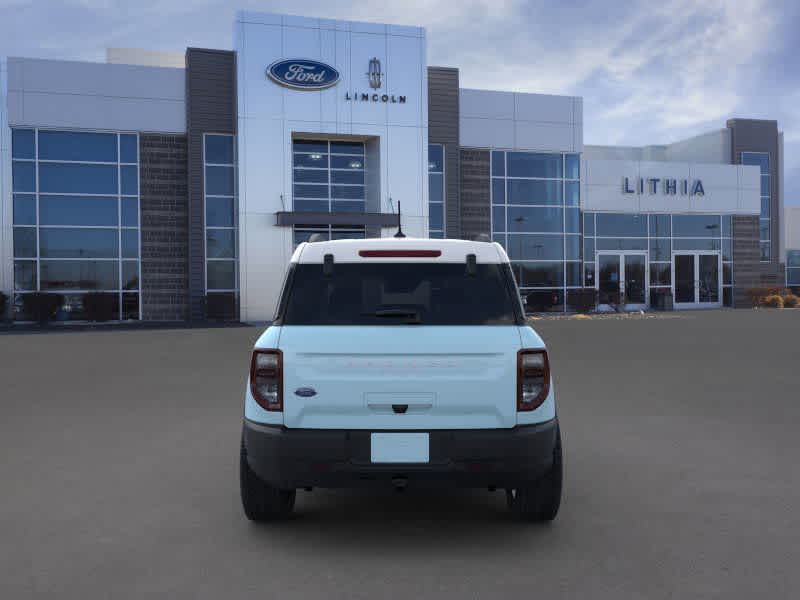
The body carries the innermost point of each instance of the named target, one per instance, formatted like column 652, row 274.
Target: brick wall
column 165, row 227
column 475, row 197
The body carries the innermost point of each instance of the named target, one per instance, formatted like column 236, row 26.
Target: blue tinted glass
column 74, row 145
column 763, row 228
column 542, row 220
column 695, row 244
column 80, row 275
column 311, row 205
column 77, row 210
column 130, row 275
column 435, row 158
column 23, row 176
column 727, row 226
column 347, row 148
column 498, row 191
column 436, row 187
column 629, row 225
column 436, row 216
column 130, row 212
column 356, row 177
column 24, row 209
column 303, row 235
column 219, row 212
column 219, row 181
column 572, row 190
column 765, row 208
column 498, row 163
column 696, row 225
column 588, row 249
column 129, row 176
column 311, row 175
column 348, row 206
column 23, row 144
column 766, row 251
column 320, row 161
column 347, row 235
column 347, row 192
column 535, row 247
column 24, row 275
column 660, row 226
column 219, row 149
column 542, row 274
column 128, row 151
column 572, row 220
column 727, row 249
column 660, row 249
column 77, row 179
column 588, row 272
column 759, row 159
column 621, row 244
column 221, row 274
column 765, row 185
column 78, row 243
column 572, row 247
column 500, row 239
column 310, row 146
column 310, row 191
column 573, row 166
column 573, row 274
column 588, row 224
column 727, row 274
column 220, row 243
column 793, row 258
column 130, row 243
column 436, row 235
column 529, row 164
column 25, row 242
column 498, row 218
column 793, row 277
column 339, row 162
column 527, row 191
column 660, row 274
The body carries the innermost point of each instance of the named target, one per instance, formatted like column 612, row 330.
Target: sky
column 649, row 72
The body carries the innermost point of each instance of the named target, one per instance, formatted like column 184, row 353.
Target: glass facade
column 436, row 192
column 76, row 219
column 536, row 218
column 761, row 160
column 793, row 269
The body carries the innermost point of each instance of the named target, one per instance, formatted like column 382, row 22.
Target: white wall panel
column 486, row 104
column 6, row 205
column 486, row 133
column 541, row 107
column 539, row 135
column 363, row 47
column 407, row 80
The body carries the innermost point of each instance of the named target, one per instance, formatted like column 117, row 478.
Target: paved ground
column 118, row 463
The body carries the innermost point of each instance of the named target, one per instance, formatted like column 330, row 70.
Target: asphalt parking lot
column 118, row 471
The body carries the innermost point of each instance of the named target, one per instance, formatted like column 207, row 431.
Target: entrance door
column 622, row 280
column 697, row 280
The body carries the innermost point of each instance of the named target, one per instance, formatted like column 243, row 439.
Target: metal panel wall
column 443, row 128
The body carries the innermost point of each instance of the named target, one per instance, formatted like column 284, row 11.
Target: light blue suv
column 400, row 362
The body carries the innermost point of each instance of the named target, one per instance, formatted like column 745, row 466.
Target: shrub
column 773, row 301
column 41, row 306
column 758, row 295
column 790, row 301
column 99, row 306
column 3, row 306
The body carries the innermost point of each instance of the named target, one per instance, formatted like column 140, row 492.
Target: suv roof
column 452, row 251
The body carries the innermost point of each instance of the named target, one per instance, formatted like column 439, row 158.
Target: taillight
column 533, row 379
column 266, row 378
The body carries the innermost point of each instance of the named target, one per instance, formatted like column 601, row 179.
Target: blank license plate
column 400, row 448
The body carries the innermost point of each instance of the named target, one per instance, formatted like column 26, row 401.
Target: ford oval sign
column 303, row 74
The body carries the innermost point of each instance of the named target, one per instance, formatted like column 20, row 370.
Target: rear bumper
column 292, row 458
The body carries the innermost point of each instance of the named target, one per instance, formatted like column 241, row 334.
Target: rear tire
column 261, row 501
column 540, row 500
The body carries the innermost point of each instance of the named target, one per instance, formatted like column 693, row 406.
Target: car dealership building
column 182, row 183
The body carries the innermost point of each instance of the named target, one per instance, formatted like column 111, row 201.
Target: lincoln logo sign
column 302, row 74
column 670, row 187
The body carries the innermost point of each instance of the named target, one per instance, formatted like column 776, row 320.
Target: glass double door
column 622, row 279
column 697, row 279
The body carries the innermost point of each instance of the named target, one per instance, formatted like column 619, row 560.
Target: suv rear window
column 399, row 294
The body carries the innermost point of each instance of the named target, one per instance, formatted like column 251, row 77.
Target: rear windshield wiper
column 396, row 312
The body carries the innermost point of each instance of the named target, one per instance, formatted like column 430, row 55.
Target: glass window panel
column 23, row 143
column 572, row 191
column 572, row 220
column 79, row 275
column 793, row 277
column 78, row 243
column 527, row 191
column 532, row 164
column 540, row 220
column 219, row 181
column 219, row 149
column 130, row 212
column 436, row 235
column 621, row 244
column 727, row 249
column 660, row 226
column 660, row 274
column 765, row 208
column 311, row 175
column 315, row 161
column 77, row 179
column 77, row 210
column 765, row 185
column 793, row 258
column 696, row 225
column 500, row 238
column 498, row 163
column 436, row 216
column 311, row 205
column 759, row 159
column 358, row 177
column 130, row 307
column 498, row 191
column 220, row 243
column 347, row 192
column 573, row 274
column 727, row 297
column 23, row 176
column 310, row 191
column 128, row 148
column 348, row 206
column 573, row 166
column 727, row 226
column 660, row 249
column 130, row 243
column 347, row 235
column 572, row 246
column 344, row 162
column 763, row 229
column 25, row 242
column 24, row 209
column 221, row 274
column 535, row 247
column 129, row 183
column 302, row 235
column 543, row 300
column 435, row 158
column 130, row 274
column 310, row 146
column 219, row 212
column 622, row 225
column 727, row 273
column 542, row 274
column 436, row 187
column 588, row 249
column 25, row 275
column 347, row 148
column 78, row 146
column 588, row 274
column 765, row 250
column 588, row 224
column 695, row 244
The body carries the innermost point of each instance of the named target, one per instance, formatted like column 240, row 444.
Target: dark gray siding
column 746, row 254
column 443, row 129
column 210, row 108
column 164, row 226
column 475, row 198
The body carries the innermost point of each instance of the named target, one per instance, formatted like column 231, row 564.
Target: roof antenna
column 399, row 233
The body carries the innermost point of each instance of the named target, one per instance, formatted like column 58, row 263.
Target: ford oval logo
column 303, row 74
column 305, row 392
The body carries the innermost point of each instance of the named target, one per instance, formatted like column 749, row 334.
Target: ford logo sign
column 303, row 74
column 305, row 392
